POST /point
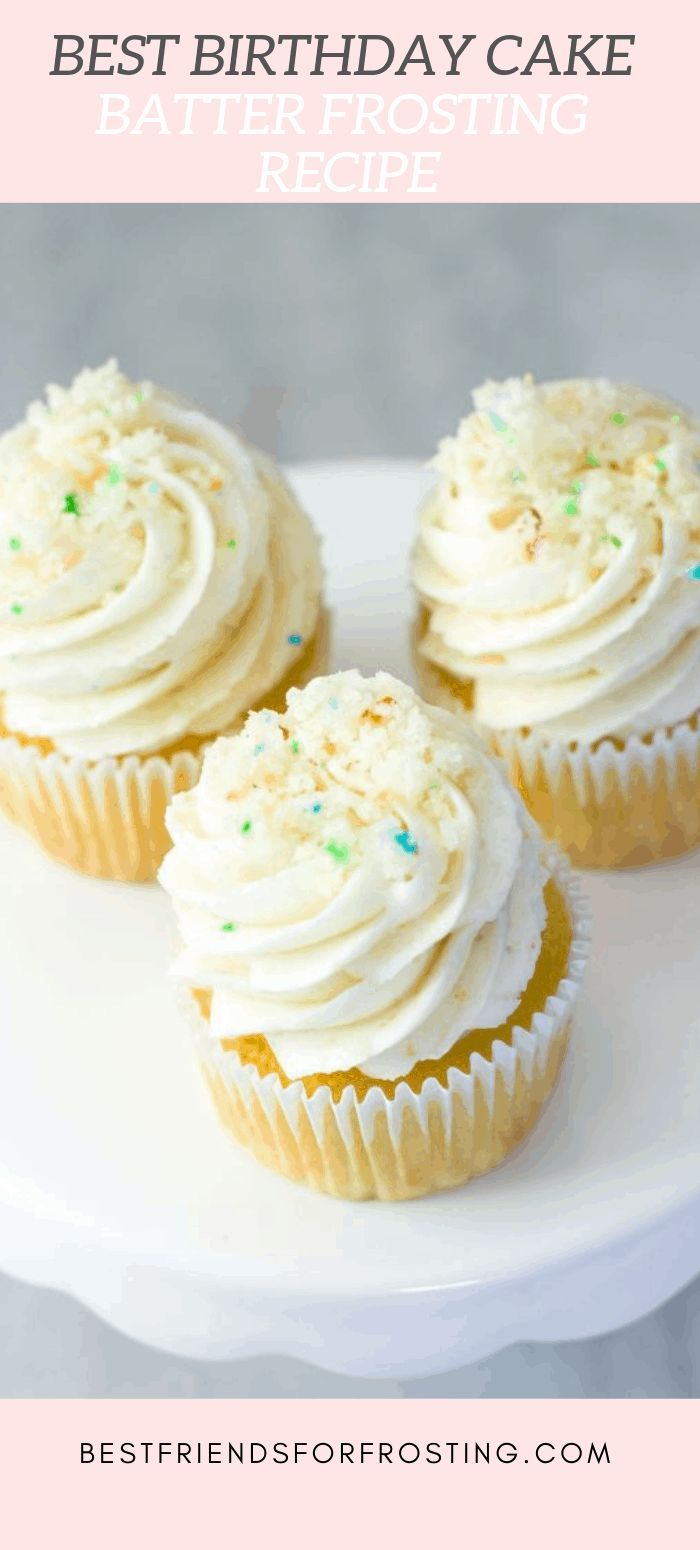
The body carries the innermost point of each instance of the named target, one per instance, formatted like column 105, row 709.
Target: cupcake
column 157, row 580
column 381, row 959
column 558, row 571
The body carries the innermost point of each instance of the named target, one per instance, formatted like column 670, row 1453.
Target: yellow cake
column 157, row 580
column 558, row 576
column 381, row 959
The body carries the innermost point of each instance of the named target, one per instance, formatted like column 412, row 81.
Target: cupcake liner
column 610, row 805
column 615, row 804
column 107, row 818
column 401, row 1147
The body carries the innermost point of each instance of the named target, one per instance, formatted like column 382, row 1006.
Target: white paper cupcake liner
column 611, row 805
column 105, row 819
column 396, row 1148
column 617, row 803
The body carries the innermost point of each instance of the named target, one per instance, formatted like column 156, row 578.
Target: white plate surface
column 117, row 1184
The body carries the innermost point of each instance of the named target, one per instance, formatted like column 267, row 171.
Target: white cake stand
column 117, row 1185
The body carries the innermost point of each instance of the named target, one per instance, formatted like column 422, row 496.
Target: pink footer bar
column 345, row 1473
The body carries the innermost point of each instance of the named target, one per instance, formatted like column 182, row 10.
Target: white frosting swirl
column 356, row 880
column 157, row 577
column 559, row 560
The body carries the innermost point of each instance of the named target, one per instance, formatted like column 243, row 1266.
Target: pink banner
column 143, row 100
column 347, row 1473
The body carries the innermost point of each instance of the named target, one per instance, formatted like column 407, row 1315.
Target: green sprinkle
column 592, row 460
column 246, row 827
column 228, row 926
column 577, row 486
column 571, row 508
column 618, row 418
column 113, row 475
column 338, row 850
column 72, row 504
column 138, row 397
column 295, row 745
column 517, row 475
column 15, row 543
column 497, row 423
column 611, row 538
column 675, row 419
column 16, row 608
column 662, row 467
column 231, row 543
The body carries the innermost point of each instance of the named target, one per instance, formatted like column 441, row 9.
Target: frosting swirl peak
column 557, row 555
column 156, row 575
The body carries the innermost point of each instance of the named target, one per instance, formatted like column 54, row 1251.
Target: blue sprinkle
column 154, row 488
column 333, row 703
column 259, row 748
column 405, row 839
column 496, row 421
column 294, row 640
column 694, row 573
column 316, row 807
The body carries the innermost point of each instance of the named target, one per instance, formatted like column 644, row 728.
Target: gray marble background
column 348, row 331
